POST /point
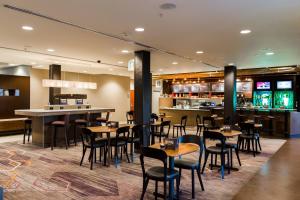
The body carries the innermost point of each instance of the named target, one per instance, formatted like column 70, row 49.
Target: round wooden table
column 183, row 149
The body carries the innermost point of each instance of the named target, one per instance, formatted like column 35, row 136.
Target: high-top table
column 41, row 118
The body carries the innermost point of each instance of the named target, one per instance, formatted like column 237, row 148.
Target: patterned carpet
column 30, row 172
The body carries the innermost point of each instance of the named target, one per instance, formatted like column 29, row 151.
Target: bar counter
column 41, row 118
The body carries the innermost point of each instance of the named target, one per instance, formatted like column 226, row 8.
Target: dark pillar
column 142, row 93
column 229, row 95
column 54, row 73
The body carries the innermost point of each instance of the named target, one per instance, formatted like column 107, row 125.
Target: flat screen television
column 283, row 85
column 266, row 85
column 1, row 92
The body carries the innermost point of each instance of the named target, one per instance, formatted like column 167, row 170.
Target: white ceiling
column 212, row 26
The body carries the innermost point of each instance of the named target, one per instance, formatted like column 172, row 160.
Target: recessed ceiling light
column 50, row 50
column 270, row 53
column 174, row 63
column 27, row 28
column 167, row 6
column 230, row 64
column 12, row 64
column 139, row 29
column 120, row 62
column 199, row 52
column 125, row 51
column 246, row 31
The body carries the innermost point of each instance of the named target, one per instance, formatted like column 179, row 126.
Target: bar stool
column 180, row 126
column 80, row 123
column 27, row 129
column 103, row 119
column 60, row 124
column 200, row 124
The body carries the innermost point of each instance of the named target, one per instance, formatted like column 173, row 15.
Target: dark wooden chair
column 64, row 124
column 215, row 151
column 153, row 117
column 27, row 129
column 180, row 126
column 134, row 138
column 161, row 133
column 120, row 141
column 208, row 123
column 89, row 141
column 103, row 120
column 130, row 117
column 249, row 138
column 190, row 164
column 79, row 124
column 232, row 146
column 200, row 124
column 157, row 173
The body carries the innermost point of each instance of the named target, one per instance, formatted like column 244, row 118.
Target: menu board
column 177, row 88
column 244, row 86
column 204, row 87
column 263, row 85
column 284, row 85
column 195, row 88
column 186, row 88
column 217, row 87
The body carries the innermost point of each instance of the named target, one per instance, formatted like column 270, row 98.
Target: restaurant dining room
column 164, row 99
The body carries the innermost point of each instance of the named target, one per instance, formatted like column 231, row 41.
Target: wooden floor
column 278, row 179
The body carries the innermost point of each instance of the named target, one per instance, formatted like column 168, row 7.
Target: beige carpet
column 29, row 172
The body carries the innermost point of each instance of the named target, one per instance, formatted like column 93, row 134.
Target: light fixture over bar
column 69, row 84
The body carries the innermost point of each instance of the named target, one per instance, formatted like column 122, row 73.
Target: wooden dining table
column 183, row 149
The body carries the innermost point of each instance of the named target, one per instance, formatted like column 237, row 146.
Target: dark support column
column 142, row 93
column 54, row 73
column 229, row 95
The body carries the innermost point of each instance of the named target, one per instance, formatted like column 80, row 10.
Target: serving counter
column 41, row 119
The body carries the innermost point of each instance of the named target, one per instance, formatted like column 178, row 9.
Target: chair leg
column 128, row 160
column 156, row 189
column 193, row 184
column 83, row 153
column 177, row 188
column 165, row 190
column 222, row 165
column 75, row 133
column 258, row 140
column 173, row 131
column 211, row 161
column 200, row 179
column 91, row 156
column 66, row 137
column 197, row 130
column 25, row 131
column 100, row 154
column 228, row 162
column 184, row 130
column 179, row 176
column 237, row 155
column 29, row 134
column 253, row 148
column 52, row 137
column 95, row 155
column 206, row 158
column 145, row 184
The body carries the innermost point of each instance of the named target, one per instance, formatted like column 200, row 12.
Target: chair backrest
column 214, row 135
column 113, row 124
column 183, row 120
column 123, row 132
column 198, row 119
column 129, row 115
column 195, row 139
column 88, row 116
column 247, row 128
column 87, row 137
column 153, row 153
column 165, row 124
column 137, row 130
column 208, row 120
column 67, row 119
column 153, row 117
